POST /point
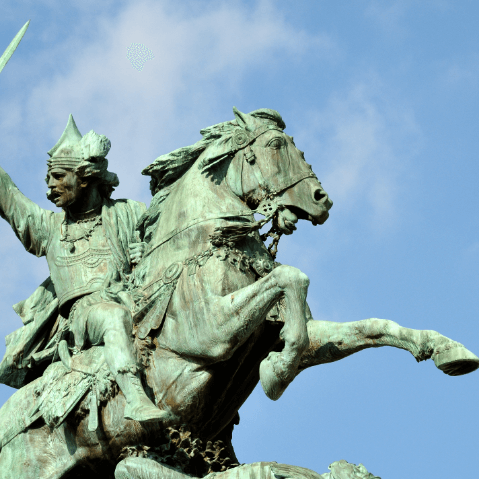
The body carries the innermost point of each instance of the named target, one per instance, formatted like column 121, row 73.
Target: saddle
column 54, row 395
column 63, row 387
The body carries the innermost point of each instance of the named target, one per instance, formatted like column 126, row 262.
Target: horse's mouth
column 303, row 215
column 308, row 201
column 318, row 220
column 290, row 226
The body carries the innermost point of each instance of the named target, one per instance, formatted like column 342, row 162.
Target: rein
column 196, row 221
column 266, row 208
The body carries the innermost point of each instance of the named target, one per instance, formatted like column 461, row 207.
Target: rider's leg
column 331, row 341
column 111, row 324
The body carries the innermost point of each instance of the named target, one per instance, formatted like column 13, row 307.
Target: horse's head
column 271, row 175
column 255, row 160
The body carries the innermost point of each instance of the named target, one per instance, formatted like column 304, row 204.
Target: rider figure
column 89, row 247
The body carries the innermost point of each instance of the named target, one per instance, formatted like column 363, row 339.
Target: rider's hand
column 136, row 251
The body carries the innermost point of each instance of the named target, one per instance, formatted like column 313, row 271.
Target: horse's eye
column 276, row 143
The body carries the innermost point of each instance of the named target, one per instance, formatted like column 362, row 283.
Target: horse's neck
column 197, row 197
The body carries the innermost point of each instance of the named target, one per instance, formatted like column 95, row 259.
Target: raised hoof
column 150, row 413
column 456, row 361
column 274, row 379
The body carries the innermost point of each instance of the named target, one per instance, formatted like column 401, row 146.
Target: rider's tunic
column 86, row 269
column 90, row 272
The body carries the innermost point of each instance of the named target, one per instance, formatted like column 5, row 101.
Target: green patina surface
column 156, row 324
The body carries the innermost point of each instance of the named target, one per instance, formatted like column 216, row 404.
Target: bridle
column 242, row 139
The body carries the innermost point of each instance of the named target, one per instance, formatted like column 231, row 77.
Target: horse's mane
column 167, row 169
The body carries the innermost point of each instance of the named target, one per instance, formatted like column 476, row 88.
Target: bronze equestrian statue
column 205, row 314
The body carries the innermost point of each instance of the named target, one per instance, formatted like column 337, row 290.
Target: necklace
column 86, row 233
column 80, row 217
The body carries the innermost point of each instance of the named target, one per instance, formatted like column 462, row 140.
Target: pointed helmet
column 72, row 148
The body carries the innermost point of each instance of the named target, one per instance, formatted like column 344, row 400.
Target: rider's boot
column 138, row 405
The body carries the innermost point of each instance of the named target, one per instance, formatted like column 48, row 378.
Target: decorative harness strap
column 242, row 139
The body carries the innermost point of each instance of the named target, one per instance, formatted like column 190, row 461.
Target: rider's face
column 65, row 187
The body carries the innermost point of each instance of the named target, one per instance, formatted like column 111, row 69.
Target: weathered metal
column 204, row 315
column 13, row 46
column 140, row 468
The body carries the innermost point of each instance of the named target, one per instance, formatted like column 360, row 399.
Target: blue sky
column 382, row 96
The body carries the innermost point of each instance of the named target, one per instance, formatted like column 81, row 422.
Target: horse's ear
column 244, row 120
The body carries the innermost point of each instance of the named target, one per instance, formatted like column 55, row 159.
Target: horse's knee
column 287, row 276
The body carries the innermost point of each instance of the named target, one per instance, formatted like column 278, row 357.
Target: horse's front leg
column 238, row 314
column 333, row 341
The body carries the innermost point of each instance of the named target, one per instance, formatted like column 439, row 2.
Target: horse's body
column 208, row 352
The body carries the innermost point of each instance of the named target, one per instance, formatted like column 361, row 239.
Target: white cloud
column 198, row 50
column 145, row 113
column 391, row 16
column 361, row 145
column 461, row 73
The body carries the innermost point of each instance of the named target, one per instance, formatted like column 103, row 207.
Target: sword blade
column 13, row 45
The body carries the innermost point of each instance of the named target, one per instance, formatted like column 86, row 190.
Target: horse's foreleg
column 238, row 314
column 280, row 368
column 333, row 341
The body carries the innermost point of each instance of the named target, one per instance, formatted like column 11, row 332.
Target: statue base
column 144, row 468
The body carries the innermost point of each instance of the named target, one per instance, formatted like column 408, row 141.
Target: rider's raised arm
column 31, row 224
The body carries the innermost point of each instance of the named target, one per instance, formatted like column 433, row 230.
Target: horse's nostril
column 319, row 195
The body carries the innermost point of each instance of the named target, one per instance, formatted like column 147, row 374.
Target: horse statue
column 214, row 315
